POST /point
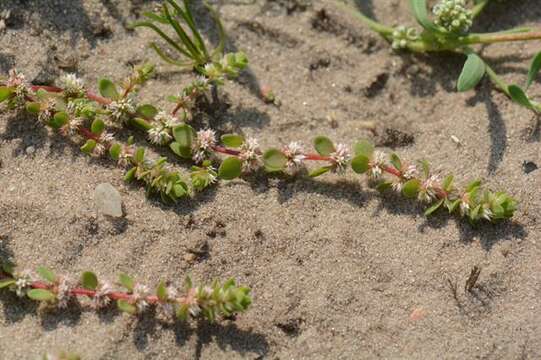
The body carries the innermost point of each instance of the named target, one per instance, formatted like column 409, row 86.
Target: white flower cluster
column 160, row 134
column 408, row 174
column 103, row 143
column 139, row 296
column 72, row 85
column 47, row 111
column 429, row 188
column 340, row 158
column 63, row 292
column 23, row 282
column 402, row 35
column 203, row 144
column 122, row 109
column 377, row 165
column 453, row 15
column 101, row 297
column 295, row 155
column 250, row 154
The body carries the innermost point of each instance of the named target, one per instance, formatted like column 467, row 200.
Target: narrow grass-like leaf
column 183, row 36
column 434, row 207
column 420, row 12
column 534, row 69
column 6, row 283
column 163, row 36
column 473, row 71
column 519, row 96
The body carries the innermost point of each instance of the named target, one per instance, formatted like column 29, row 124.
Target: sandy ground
column 337, row 271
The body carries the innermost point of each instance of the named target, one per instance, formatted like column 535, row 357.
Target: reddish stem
column 116, row 295
column 391, row 170
column 90, row 95
column 316, row 157
column 224, row 150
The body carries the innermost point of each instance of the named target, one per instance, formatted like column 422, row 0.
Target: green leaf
column 364, row 147
column 130, row 175
column 89, row 146
column 41, row 295
column 89, row 280
column 46, row 274
column 33, row 107
column 519, row 96
column 324, row 146
column 452, row 205
column 396, row 162
column 147, row 111
column 319, row 171
column 230, row 168
column 384, row 186
column 161, row 292
column 532, row 73
column 7, row 267
column 426, row 168
column 473, row 71
column 411, row 188
column 232, row 140
column 274, row 160
column 360, row 164
column 97, row 126
column 59, row 119
column 472, row 185
column 420, row 12
column 115, row 151
column 434, row 207
column 126, row 307
column 448, row 183
column 5, row 93
column 7, row 282
column 139, row 155
column 126, row 281
column 108, row 89
column 184, row 136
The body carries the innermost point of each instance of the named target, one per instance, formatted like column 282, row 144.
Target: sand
column 337, row 270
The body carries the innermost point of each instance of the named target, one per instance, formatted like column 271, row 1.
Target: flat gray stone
column 108, row 200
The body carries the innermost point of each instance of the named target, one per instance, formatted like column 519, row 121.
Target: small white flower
column 24, row 280
column 410, row 172
column 340, row 158
column 15, row 78
column 72, row 126
column 140, row 293
column 159, row 135
column 101, row 298
column 122, row 109
column 249, row 154
column 377, row 165
column 429, row 188
column 106, row 137
column 47, row 111
column 203, row 144
column 453, row 15
column 167, row 120
column 72, row 85
column 295, row 155
column 63, row 292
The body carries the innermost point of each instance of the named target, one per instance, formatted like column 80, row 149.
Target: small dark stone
column 529, row 166
column 291, row 327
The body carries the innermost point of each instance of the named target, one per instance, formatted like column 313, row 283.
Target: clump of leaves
column 51, row 290
column 192, row 52
column 449, row 30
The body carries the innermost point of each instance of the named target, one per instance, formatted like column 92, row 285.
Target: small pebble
column 529, row 166
column 30, row 150
column 108, row 200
